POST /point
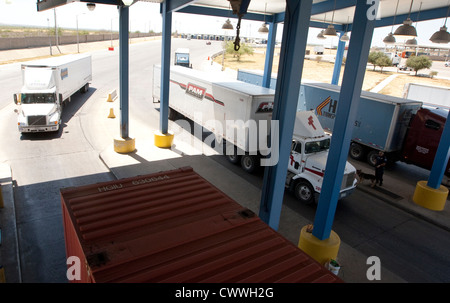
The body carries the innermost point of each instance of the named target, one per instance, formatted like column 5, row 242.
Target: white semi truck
column 47, row 85
column 241, row 115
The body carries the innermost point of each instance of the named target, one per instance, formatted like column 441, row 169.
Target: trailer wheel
column 234, row 158
column 85, row 88
column 372, row 157
column 248, row 163
column 304, row 192
column 172, row 114
column 357, row 151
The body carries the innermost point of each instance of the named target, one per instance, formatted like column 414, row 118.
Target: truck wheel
column 372, row 157
column 234, row 158
column 304, row 192
column 356, row 151
column 172, row 114
column 248, row 163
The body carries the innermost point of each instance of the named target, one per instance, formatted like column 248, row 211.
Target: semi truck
column 406, row 130
column 182, row 57
column 239, row 114
column 47, row 86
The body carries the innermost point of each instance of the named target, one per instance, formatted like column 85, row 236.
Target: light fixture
column 127, row 2
column 320, row 35
column 413, row 41
column 345, row 37
column 390, row 39
column 263, row 29
column 227, row 25
column 90, row 6
column 441, row 36
column 406, row 31
column 331, row 31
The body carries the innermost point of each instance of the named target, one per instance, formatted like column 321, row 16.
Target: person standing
column 380, row 163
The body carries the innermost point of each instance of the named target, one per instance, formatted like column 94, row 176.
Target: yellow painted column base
column 429, row 197
column 124, row 146
column 163, row 140
column 320, row 250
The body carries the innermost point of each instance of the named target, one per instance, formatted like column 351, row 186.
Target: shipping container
column 175, row 226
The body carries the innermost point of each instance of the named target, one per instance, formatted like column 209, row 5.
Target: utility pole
column 56, row 31
column 49, row 36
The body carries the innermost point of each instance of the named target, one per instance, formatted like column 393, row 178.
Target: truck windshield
column 37, row 98
column 317, row 146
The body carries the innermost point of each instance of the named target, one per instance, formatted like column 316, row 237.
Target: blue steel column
column 441, row 158
column 269, row 54
column 338, row 61
column 295, row 34
column 123, row 69
column 355, row 68
column 165, row 68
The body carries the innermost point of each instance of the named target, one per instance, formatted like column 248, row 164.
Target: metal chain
column 236, row 42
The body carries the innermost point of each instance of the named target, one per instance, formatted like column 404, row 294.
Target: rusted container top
column 175, row 226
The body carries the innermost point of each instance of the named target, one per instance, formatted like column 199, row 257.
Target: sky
column 145, row 16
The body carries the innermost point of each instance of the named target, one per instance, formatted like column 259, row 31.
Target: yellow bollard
column 2, row 275
column 2, row 204
column 111, row 113
column 320, row 250
column 429, row 197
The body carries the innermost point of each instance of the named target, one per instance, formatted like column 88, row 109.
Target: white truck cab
column 308, row 158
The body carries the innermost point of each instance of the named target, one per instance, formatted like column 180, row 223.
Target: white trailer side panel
column 229, row 109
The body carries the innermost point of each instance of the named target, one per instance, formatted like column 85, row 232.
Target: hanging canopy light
column 441, row 36
column 411, row 42
column 320, row 35
column 406, row 31
column 227, row 25
column 390, row 39
column 263, row 29
column 345, row 37
column 331, row 31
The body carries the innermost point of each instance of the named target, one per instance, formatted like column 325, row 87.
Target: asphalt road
column 43, row 163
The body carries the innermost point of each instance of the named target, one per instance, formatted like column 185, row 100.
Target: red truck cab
column 423, row 136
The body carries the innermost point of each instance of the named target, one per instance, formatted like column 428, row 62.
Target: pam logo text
column 195, row 91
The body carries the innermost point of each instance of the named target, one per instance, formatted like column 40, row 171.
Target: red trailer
column 175, row 226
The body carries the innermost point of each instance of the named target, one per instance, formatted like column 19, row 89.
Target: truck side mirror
column 61, row 98
column 15, row 99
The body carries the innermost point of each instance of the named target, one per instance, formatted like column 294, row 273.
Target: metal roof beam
column 209, row 11
column 43, row 5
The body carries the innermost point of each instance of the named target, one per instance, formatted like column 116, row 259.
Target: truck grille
column 37, row 120
column 347, row 180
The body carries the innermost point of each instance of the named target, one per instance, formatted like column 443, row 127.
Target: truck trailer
column 47, row 86
column 406, row 130
column 239, row 114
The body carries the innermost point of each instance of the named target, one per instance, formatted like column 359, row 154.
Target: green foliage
column 383, row 61
column 433, row 73
column 373, row 57
column 418, row 62
column 243, row 50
